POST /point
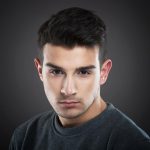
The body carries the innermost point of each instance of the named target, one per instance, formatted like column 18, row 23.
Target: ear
column 38, row 66
column 105, row 69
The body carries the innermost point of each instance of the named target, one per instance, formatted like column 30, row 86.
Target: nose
column 68, row 87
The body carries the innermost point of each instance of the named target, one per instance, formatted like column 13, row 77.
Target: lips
column 69, row 103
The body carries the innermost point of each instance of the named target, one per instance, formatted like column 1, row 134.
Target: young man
column 72, row 67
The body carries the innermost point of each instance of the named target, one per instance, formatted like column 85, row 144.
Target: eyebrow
column 79, row 68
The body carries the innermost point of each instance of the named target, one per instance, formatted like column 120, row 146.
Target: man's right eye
column 56, row 72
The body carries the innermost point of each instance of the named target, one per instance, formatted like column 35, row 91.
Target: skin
column 72, row 80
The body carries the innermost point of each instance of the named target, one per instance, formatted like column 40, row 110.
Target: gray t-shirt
column 111, row 130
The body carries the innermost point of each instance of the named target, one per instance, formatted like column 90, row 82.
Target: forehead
column 70, row 58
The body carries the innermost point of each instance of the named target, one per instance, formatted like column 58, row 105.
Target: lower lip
column 69, row 105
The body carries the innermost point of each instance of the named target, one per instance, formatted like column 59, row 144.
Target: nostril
column 67, row 92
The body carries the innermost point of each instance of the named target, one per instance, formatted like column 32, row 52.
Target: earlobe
column 105, row 69
column 38, row 67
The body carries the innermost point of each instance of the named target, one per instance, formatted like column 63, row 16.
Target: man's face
column 71, row 78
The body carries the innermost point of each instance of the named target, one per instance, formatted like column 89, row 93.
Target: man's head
column 71, row 43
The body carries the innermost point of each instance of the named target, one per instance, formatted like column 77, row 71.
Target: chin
column 69, row 115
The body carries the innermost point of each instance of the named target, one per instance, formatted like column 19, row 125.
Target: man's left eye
column 84, row 72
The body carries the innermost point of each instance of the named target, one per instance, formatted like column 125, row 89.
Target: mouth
column 69, row 103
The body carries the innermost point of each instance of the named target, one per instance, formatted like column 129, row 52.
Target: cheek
column 89, row 86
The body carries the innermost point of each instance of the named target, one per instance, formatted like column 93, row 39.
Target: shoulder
column 37, row 120
column 36, row 124
column 31, row 129
column 128, row 126
column 126, row 134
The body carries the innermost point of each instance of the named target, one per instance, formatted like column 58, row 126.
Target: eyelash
column 57, row 72
column 84, row 72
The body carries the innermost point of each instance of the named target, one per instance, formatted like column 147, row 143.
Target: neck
column 97, row 107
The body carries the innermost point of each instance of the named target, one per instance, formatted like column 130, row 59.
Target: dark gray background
column 128, row 86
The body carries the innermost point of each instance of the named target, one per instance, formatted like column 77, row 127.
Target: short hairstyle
column 74, row 27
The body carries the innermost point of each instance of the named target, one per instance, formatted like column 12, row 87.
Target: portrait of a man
column 72, row 66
